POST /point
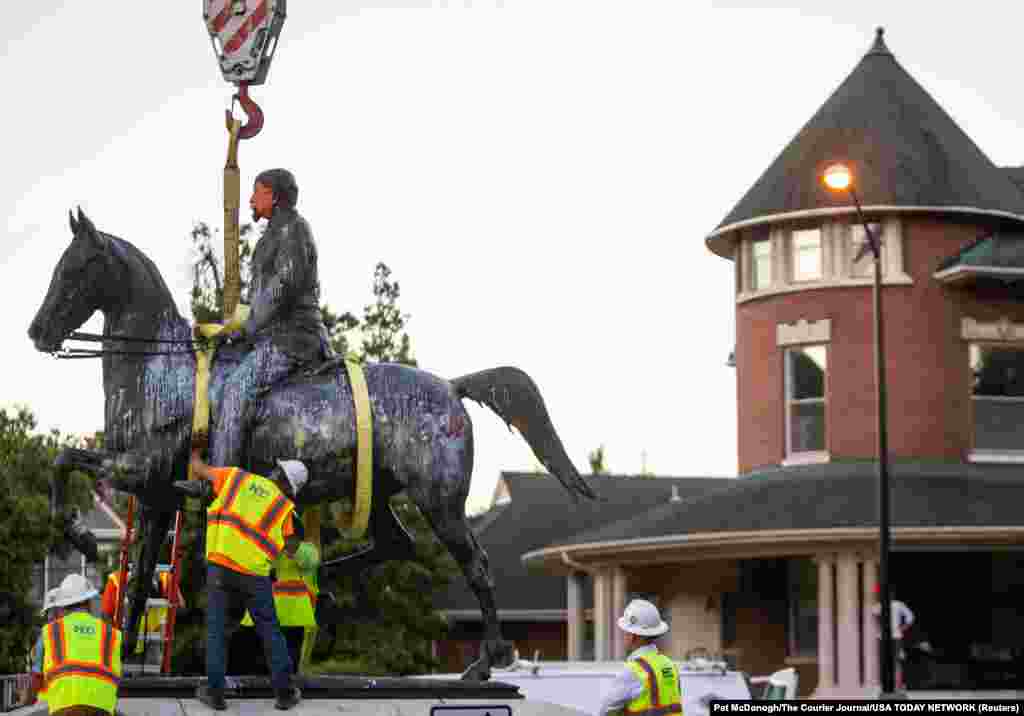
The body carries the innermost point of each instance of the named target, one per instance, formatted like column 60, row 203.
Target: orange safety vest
column 294, row 598
column 81, row 662
column 245, row 524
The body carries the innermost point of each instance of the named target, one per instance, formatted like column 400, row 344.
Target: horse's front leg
column 126, row 472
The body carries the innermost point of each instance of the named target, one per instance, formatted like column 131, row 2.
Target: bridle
column 67, row 353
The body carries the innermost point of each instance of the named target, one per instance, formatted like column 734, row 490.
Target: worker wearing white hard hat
column 649, row 683
column 81, row 653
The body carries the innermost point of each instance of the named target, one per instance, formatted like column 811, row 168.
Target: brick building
column 779, row 567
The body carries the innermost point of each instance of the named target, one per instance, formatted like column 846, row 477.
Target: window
column 802, row 608
column 865, row 267
column 761, row 264
column 998, row 398
column 805, row 400
column 807, row 260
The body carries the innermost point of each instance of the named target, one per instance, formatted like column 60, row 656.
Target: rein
column 68, row 353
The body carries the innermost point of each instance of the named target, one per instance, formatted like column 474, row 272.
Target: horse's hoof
column 501, row 653
column 477, row 671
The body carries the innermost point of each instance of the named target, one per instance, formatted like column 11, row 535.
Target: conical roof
column 905, row 151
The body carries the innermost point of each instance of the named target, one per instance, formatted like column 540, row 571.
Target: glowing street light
column 838, row 177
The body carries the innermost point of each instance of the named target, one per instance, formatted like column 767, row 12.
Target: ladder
column 166, row 635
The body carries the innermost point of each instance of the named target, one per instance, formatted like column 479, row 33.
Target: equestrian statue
column 276, row 392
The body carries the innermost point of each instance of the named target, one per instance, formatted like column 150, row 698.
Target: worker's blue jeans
column 229, row 593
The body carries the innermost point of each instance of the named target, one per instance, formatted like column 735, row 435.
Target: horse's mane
column 127, row 251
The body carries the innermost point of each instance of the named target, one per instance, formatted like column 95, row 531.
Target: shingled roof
column 906, row 152
column 841, row 494
column 541, row 513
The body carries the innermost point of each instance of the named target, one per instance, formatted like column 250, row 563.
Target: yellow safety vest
column 660, row 677
column 245, row 524
column 81, row 662
column 294, row 596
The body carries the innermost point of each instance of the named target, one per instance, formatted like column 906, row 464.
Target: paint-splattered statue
column 284, row 326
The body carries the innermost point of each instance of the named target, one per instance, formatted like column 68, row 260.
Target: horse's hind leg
column 452, row 529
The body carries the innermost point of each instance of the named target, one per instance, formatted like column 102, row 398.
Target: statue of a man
column 284, row 325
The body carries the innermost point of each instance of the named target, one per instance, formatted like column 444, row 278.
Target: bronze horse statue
column 422, row 433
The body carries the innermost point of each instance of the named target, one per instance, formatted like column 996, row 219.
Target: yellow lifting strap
column 364, row 449
column 204, row 359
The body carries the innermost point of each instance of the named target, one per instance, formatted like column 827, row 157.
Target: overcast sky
column 540, row 176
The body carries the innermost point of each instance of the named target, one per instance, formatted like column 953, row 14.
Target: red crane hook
column 253, row 113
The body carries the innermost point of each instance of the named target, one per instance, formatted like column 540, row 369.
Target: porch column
column 848, row 607
column 618, row 605
column 602, row 614
column 574, row 616
column 826, row 623
column 872, row 678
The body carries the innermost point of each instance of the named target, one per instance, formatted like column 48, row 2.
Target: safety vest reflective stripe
column 234, row 486
column 55, row 633
column 71, row 667
column 651, row 702
column 247, row 532
column 273, row 513
column 652, row 680
column 106, row 645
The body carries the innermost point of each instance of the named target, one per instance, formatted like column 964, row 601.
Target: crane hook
column 253, row 113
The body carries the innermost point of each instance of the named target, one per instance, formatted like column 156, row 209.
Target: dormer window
column 807, row 259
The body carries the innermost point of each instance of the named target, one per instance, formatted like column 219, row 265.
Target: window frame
column 754, row 273
column 794, row 255
column 991, row 455
column 803, row 456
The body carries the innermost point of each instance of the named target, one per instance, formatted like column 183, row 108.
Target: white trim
column 700, row 541
column 996, row 457
column 846, row 210
column 900, row 279
column 803, row 331
column 961, row 271
column 809, row 457
column 1004, row 330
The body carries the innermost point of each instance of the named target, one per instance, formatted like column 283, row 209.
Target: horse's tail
column 515, row 398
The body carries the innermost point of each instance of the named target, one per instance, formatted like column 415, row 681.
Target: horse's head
column 82, row 282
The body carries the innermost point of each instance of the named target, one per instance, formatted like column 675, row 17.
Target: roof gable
column 902, row 146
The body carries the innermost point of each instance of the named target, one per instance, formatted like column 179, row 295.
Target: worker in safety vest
column 295, row 591
column 81, row 655
column 247, row 524
column 649, row 685
column 51, row 613
column 112, row 593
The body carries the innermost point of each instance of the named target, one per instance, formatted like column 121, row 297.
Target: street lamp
column 838, row 177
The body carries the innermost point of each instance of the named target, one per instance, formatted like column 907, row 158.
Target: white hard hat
column 642, row 618
column 74, row 589
column 49, row 599
column 296, row 472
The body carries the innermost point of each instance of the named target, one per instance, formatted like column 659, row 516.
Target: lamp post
column 838, row 177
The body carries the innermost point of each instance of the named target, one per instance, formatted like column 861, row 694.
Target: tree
column 596, row 459
column 27, row 531
column 398, row 641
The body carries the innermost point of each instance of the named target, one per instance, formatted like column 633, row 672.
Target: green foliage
column 26, row 531
column 400, row 640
